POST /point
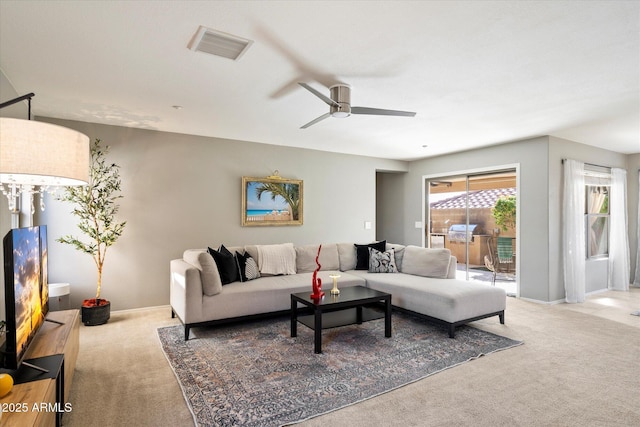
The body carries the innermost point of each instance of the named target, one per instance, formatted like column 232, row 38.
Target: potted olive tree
column 96, row 207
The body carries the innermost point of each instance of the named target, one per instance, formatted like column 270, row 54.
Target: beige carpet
column 579, row 366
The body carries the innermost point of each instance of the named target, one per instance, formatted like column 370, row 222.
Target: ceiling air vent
column 219, row 43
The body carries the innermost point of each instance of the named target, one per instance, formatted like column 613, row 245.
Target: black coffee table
column 351, row 297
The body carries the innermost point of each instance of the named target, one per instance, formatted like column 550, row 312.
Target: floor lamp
column 36, row 157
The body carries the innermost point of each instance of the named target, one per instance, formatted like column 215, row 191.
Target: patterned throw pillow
column 251, row 269
column 382, row 262
column 247, row 267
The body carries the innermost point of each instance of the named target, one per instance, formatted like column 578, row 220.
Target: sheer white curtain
column 636, row 281
column 573, row 233
column 619, row 259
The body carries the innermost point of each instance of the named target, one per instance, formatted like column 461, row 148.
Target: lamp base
column 335, row 290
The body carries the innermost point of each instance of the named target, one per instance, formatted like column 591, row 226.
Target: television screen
column 26, row 289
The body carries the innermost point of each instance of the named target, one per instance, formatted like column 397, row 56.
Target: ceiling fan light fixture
column 340, row 107
column 340, row 114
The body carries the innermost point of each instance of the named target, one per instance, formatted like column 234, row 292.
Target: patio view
column 474, row 217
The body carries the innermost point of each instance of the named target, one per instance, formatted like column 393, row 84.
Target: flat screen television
column 26, row 291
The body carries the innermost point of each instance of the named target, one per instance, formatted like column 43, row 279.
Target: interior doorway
column 474, row 215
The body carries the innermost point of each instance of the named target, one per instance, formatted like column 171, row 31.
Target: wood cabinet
column 18, row 406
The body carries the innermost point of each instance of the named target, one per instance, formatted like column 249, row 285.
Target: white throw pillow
column 426, row 262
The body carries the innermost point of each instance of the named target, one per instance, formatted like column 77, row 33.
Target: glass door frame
column 426, row 214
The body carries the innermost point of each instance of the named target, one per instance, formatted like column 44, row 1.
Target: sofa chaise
column 420, row 280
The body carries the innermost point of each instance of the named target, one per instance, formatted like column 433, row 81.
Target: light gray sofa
column 424, row 284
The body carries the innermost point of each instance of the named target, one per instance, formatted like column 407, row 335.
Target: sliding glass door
column 473, row 215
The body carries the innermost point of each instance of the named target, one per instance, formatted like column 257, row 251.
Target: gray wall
column 532, row 157
column 540, row 183
column 184, row 191
column 389, row 207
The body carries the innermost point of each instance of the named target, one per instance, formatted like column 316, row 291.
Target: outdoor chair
column 500, row 256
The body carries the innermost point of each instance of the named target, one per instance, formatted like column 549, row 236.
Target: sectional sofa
column 209, row 287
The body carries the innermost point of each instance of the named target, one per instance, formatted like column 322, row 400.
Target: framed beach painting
column 271, row 201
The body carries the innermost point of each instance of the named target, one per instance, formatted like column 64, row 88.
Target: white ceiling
column 476, row 72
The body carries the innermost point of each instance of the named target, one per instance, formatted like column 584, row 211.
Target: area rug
column 255, row 374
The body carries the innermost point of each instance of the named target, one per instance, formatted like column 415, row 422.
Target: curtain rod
column 593, row 164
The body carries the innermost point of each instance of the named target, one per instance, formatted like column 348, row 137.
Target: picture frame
column 271, row 201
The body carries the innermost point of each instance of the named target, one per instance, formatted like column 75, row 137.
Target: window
column 597, row 221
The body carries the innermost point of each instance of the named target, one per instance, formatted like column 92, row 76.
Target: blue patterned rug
column 255, row 374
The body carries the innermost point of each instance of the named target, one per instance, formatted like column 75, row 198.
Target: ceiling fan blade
column 314, row 121
column 325, row 98
column 381, row 112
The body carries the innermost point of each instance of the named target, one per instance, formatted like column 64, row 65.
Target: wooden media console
column 35, row 403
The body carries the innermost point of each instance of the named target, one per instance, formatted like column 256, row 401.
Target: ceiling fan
column 340, row 105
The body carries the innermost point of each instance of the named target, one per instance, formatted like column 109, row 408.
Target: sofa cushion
column 382, row 262
column 347, row 255
column 264, row 295
column 450, row 300
column 306, row 258
column 426, row 262
column 362, row 253
column 227, row 264
column 277, row 259
column 211, row 282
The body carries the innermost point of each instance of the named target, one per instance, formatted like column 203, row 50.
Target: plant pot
column 95, row 312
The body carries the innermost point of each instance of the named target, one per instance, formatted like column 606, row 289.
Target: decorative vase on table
column 316, row 282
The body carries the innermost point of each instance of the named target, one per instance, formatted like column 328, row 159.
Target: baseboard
column 598, row 291
column 133, row 310
column 537, row 301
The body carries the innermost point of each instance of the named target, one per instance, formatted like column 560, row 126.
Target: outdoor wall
column 184, row 191
column 532, row 156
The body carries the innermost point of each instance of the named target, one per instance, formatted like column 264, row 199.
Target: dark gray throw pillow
column 362, row 253
column 226, row 263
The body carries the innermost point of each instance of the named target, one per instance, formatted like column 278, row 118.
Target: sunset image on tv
column 30, row 284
